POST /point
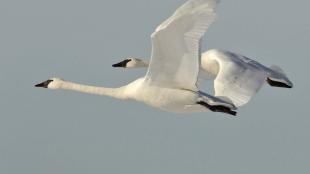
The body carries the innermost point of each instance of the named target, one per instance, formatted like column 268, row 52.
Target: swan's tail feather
column 277, row 69
column 277, row 78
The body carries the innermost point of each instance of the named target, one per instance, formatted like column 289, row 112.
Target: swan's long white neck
column 209, row 63
column 111, row 92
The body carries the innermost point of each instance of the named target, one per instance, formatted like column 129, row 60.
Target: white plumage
column 176, row 45
column 236, row 77
column 170, row 83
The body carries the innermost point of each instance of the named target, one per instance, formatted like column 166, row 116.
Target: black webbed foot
column 218, row 108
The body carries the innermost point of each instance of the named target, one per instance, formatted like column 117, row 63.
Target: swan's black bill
column 44, row 84
column 122, row 64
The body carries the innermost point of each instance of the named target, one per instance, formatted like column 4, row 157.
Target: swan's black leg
column 218, row 108
column 277, row 84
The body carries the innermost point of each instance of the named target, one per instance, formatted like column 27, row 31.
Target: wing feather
column 175, row 59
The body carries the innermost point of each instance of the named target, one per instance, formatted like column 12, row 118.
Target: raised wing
column 175, row 58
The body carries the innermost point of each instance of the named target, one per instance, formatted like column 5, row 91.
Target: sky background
column 44, row 131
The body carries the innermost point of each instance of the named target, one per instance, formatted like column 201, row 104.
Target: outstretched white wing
column 175, row 58
column 239, row 78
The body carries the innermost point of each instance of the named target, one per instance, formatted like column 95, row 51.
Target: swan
column 170, row 83
column 235, row 76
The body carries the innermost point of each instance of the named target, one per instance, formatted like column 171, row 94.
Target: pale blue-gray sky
column 50, row 132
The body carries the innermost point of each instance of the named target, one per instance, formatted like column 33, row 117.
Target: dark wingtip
column 43, row 84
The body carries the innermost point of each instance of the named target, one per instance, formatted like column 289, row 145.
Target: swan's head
column 131, row 63
column 53, row 83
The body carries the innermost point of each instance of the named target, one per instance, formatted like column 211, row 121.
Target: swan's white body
column 170, row 83
column 167, row 99
column 236, row 77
